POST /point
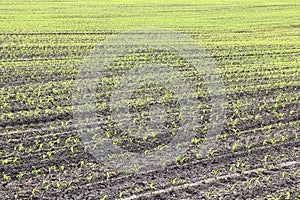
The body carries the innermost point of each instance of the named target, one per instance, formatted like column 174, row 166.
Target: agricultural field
column 240, row 118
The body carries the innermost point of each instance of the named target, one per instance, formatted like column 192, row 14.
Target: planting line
column 209, row 180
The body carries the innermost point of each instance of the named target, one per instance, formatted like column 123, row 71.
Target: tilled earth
column 256, row 156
